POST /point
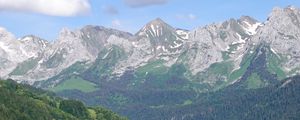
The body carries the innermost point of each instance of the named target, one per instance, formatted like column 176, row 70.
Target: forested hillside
column 22, row 102
column 278, row 102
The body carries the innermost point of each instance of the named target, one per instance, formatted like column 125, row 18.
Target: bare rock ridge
column 281, row 31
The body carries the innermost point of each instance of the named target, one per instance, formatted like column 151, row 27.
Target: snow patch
column 164, row 49
column 241, row 46
column 176, row 45
column 285, row 83
column 5, row 47
column 251, row 28
column 227, row 48
column 158, row 47
column 240, row 39
column 166, row 58
column 183, row 34
column 153, row 30
column 157, row 30
column 239, row 57
column 44, row 44
column 105, row 56
column 151, row 33
column 26, row 39
column 274, row 52
column 41, row 61
column 134, row 44
column 2, row 29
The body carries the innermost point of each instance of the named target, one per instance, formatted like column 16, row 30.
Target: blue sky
column 131, row 15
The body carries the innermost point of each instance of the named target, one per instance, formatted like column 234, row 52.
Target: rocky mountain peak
column 248, row 19
column 65, row 31
column 250, row 25
column 5, row 34
column 89, row 30
column 33, row 45
column 67, row 34
column 2, row 30
column 67, row 38
column 283, row 13
column 284, row 19
column 157, row 21
column 155, row 28
column 163, row 37
column 31, row 39
column 245, row 26
column 282, row 31
column 291, row 7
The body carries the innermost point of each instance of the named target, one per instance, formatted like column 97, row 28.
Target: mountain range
column 160, row 65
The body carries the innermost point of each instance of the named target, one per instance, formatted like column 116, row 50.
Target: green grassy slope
column 76, row 83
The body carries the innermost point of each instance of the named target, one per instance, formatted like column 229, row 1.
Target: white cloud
column 191, row 17
column 143, row 3
column 116, row 23
column 47, row 7
column 111, row 10
column 186, row 16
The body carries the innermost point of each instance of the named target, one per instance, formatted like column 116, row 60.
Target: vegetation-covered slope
column 154, row 89
column 21, row 102
column 278, row 102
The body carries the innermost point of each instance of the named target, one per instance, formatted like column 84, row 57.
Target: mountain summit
column 163, row 37
column 155, row 28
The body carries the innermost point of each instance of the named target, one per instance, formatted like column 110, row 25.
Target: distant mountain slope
column 22, row 102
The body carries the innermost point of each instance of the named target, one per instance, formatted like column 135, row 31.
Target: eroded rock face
column 81, row 45
column 15, row 51
column 282, row 32
column 209, row 44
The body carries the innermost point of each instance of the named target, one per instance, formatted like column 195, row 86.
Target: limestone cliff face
column 209, row 44
column 282, row 32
